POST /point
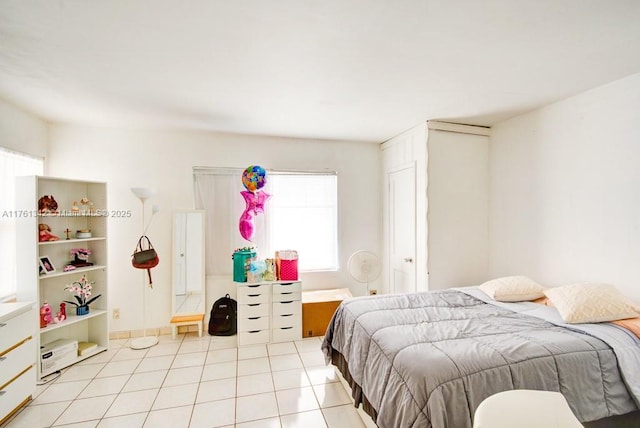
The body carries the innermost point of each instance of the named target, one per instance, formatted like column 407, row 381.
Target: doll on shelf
column 44, row 233
column 62, row 315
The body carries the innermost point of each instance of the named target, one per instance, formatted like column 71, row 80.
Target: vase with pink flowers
column 82, row 292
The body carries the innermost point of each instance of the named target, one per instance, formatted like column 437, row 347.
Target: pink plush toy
column 44, row 233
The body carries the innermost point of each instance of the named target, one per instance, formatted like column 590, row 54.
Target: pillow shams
column 586, row 303
column 512, row 289
column 631, row 324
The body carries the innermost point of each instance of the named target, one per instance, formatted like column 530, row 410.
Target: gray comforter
column 429, row 359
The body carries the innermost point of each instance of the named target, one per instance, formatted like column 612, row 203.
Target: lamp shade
column 143, row 193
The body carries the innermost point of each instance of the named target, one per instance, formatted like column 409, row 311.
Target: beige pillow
column 584, row 303
column 513, row 289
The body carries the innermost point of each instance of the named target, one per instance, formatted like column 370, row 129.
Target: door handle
column 408, row 259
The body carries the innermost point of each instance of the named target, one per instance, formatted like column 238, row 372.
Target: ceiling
column 332, row 69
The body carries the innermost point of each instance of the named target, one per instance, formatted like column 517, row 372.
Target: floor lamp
column 144, row 342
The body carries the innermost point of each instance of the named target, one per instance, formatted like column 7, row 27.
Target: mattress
column 429, row 359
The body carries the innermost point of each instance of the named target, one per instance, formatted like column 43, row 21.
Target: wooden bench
column 181, row 320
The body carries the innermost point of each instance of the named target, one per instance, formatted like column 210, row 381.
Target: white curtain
column 12, row 165
column 217, row 191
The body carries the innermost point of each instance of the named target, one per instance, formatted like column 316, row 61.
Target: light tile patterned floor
column 195, row 382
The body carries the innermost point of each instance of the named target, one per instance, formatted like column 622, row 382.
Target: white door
column 402, row 229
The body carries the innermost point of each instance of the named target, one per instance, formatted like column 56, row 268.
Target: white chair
column 524, row 408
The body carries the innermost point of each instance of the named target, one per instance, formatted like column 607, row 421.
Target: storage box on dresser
column 17, row 356
column 39, row 288
column 269, row 312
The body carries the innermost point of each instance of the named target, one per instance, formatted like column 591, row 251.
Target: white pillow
column 584, row 303
column 513, row 289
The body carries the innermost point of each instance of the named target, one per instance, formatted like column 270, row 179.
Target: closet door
column 402, row 229
column 404, row 212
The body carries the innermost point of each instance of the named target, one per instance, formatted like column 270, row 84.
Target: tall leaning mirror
column 188, row 277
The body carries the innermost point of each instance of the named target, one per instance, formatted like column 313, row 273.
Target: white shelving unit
column 38, row 287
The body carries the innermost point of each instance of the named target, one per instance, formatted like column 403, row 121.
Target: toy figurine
column 44, row 233
column 47, row 205
column 270, row 272
column 85, row 203
column 45, row 314
column 62, row 315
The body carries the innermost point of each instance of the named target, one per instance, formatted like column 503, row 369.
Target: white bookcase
column 33, row 285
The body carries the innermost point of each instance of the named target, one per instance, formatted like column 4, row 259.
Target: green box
column 240, row 259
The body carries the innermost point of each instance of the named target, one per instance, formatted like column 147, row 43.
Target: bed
column 429, row 359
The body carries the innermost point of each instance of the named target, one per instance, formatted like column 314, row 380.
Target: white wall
column 22, row 131
column 458, row 209
column 565, row 190
column 164, row 161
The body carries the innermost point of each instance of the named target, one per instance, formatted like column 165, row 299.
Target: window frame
column 202, row 201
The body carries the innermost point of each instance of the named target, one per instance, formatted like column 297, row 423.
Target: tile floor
column 195, row 382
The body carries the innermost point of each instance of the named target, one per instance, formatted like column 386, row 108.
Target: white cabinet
column 286, row 314
column 269, row 312
column 17, row 356
column 435, row 207
column 253, row 313
column 36, row 285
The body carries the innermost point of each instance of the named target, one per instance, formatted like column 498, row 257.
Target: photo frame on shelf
column 46, row 265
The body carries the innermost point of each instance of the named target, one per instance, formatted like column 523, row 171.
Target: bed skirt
column 356, row 391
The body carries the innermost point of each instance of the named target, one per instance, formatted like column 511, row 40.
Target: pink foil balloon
column 255, row 204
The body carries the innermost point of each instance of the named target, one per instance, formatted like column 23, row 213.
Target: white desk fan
column 364, row 266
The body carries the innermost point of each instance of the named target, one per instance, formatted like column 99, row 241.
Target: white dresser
column 17, row 356
column 269, row 312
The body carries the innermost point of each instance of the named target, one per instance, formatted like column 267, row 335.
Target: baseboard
column 127, row 334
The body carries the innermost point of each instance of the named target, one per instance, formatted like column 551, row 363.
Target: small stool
column 524, row 408
column 181, row 320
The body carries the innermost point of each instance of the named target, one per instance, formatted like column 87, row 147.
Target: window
column 12, row 165
column 301, row 215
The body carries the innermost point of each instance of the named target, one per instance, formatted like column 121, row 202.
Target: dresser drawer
column 17, row 391
column 287, row 296
column 253, row 324
column 287, row 308
column 282, row 321
column 286, row 334
column 249, row 294
column 253, row 337
column 16, row 360
column 253, row 310
column 16, row 329
column 290, row 287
